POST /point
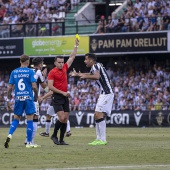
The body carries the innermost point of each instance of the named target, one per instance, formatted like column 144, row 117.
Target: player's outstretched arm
column 74, row 73
column 73, row 54
column 95, row 76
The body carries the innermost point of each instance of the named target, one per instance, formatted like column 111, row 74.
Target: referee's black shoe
column 63, row 143
column 55, row 140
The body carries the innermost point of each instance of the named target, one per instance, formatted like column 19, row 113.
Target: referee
column 57, row 82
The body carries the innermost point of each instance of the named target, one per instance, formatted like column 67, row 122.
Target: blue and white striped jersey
column 104, row 82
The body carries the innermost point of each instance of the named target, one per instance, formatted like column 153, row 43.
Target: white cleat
column 36, row 145
column 30, row 145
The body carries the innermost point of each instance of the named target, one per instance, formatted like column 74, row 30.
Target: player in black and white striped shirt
column 105, row 100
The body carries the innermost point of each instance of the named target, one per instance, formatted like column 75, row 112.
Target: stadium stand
column 147, row 15
column 79, row 17
column 18, row 17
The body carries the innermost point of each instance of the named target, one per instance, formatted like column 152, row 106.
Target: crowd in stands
column 139, row 15
column 138, row 85
column 32, row 11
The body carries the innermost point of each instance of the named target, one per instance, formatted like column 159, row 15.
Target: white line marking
column 111, row 167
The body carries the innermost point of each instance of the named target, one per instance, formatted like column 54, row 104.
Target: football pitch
column 127, row 149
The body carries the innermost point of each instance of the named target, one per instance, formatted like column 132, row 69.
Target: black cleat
column 6, row 144
column 68, row 134
column 63, row 143
column 55, row 140
column 44, row 134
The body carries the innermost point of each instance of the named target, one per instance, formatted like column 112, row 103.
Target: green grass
column 127, row 148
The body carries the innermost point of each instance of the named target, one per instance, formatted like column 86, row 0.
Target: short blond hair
column 24, row 58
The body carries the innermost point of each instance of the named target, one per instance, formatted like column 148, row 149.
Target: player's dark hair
column 92, row 56
column 37, row 60
column 59, row 56
column 24, row 58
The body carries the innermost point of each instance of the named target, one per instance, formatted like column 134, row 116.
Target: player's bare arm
column 73, row 54
column 9, row 91
column 34, row 87
column 10, row 87
column 55, row 90
column 47, row 95
column 74, row 73
column 95, row 76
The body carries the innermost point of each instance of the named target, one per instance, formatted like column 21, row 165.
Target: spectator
column 113, row 25
column 74, row 3
column 17, row 29
column 158, row 105
column 76, row 102
column 56, row 29
column 4, row 29
column 44, row 105
column 2, row 12
column 101, row 25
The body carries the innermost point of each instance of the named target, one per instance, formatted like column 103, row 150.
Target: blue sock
column 29, row 130
column 13, row 126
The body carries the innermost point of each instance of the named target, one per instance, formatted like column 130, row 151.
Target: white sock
column 68, row 126
column 35, row 127
column 102, row 130
column 47, row 127
column 97, row 132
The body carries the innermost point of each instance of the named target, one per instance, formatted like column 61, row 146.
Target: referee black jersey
column 104, row 81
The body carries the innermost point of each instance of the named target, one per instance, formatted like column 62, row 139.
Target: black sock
column 58, row 124
column 62, row 131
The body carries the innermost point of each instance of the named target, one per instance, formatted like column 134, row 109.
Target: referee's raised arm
column 73, row 54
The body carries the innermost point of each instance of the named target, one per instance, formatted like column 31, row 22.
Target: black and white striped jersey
column 104, row 82
column 40, row 79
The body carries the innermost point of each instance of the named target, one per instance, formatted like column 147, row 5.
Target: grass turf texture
column 127, row 148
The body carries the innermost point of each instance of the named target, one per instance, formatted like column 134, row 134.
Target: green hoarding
column 54, row 46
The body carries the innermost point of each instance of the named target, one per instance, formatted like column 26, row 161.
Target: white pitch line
column 111, row 167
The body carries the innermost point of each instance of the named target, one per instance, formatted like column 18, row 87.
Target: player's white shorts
column 50, row 111
column 104, row 103
column 37, row 108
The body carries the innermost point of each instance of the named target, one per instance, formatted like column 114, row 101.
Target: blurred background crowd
column 138, row 85
column 139, row 15
column 32, row 11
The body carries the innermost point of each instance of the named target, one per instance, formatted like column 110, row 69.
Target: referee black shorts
column 60, row 103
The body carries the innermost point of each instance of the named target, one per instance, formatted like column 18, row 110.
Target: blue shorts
column 26, row 106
